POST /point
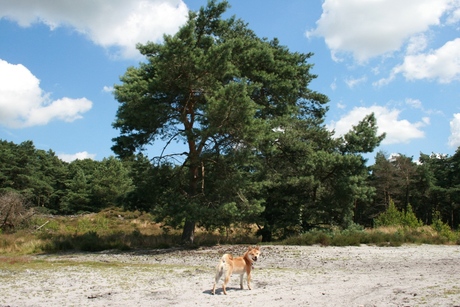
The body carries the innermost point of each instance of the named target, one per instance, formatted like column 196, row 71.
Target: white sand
column 425, row 275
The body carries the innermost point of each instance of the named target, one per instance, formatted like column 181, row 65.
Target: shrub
column 391, row 217
column 14, row 211
column 442, row 228
column 410, row 220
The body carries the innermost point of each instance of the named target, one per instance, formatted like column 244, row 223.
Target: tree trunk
column 188, row 233
column 266, row 234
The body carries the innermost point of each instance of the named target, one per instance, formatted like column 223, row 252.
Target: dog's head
column 253, row 253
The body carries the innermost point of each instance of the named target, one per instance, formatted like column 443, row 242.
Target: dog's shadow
column 219, row 291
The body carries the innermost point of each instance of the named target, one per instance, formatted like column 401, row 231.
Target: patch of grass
column 453, row 291
column 8, row 260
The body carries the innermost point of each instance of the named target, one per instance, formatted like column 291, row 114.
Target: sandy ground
column 425, row 275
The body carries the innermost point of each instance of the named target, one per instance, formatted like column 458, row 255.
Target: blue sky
column 399, row 59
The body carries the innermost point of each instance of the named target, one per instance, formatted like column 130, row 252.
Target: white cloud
column 397, row 130
column 414, row 103
column 442, row 64
column 78, row 156
column 24, row 104
column 334, row 85
column 371, row 28
column 107, row 89
column 114, row 23
column 454, row 138
column 352, row 82
column 416, row 44
column 454, row 17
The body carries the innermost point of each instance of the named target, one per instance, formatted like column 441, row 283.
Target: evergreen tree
column 218, row 88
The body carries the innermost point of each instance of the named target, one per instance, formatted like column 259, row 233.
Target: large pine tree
column 217, row 87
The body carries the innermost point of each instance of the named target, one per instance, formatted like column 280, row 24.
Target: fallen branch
column 42, row 225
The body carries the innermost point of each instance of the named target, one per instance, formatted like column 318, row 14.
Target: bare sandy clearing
column 424, row 275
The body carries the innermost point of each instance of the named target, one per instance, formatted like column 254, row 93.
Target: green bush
column 393, row 217
column 410, row 220
column 442, row 228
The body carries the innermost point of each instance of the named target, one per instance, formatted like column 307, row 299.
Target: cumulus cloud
column 371, row 28
column 397, row 130
column 24, row 104
column 454, row 138
column 115, row 23
column 78, row 156
column 442, row 64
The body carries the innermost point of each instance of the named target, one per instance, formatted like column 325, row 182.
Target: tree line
column 290, row 196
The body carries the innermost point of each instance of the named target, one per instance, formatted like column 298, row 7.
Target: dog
column 240, row 265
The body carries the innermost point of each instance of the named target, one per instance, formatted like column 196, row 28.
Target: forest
column 258, row 151
column 429, row 186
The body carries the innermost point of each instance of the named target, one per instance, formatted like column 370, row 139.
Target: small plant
column 391, row 217
column 410, row 220
column 442, row 228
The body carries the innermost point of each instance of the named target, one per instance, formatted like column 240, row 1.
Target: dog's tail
column 226, row 257
column 221, row 267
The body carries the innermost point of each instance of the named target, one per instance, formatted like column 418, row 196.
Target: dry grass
column 106, row 230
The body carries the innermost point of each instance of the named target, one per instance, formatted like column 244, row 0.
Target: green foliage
column 393, row 217
column 310, row 179
column 35, row 174
column 54, row 186
column 409, row 219
column 442, row 228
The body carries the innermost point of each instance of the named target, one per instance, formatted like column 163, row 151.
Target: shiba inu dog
column 240, row 265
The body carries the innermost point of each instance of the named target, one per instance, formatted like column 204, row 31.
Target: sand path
column 425, row 275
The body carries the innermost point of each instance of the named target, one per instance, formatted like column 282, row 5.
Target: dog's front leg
column 241, row 281
column 249, row 281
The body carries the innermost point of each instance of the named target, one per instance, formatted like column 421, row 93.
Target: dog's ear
column 257, row 247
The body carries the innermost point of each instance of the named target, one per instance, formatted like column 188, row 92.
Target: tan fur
column 240, row 265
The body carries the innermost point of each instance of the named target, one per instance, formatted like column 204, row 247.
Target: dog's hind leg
column 219, row 273
column 226, row 280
